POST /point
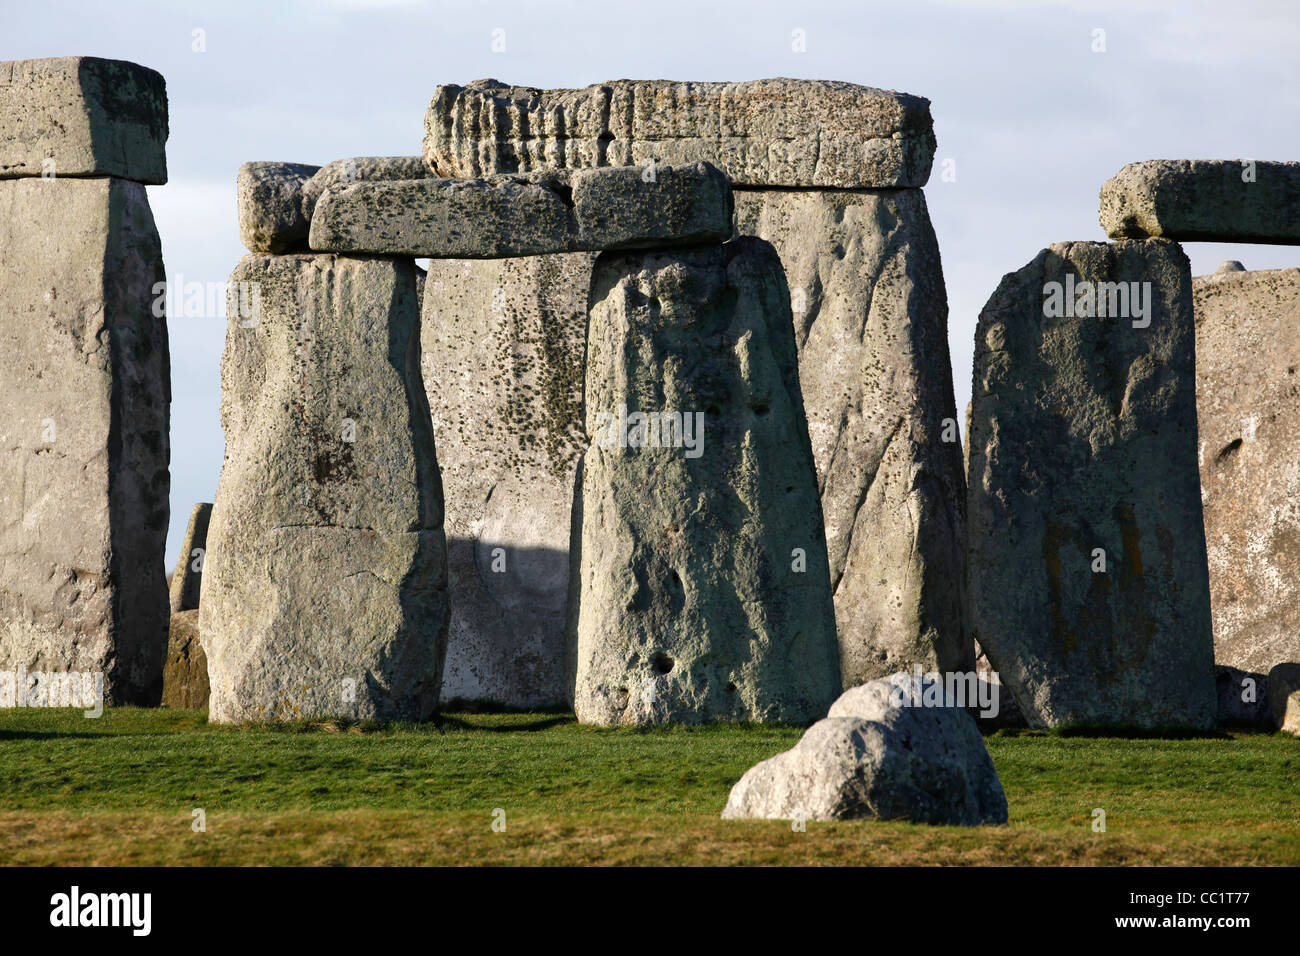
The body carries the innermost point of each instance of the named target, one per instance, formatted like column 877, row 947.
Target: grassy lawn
column 121, row 790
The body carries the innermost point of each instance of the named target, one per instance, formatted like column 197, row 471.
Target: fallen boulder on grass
column 883, row 753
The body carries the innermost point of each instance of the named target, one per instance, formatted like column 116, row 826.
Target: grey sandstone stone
column 185, row 673
column 503, row 343
column 1247, row 400
column 188, row 574
column 882, row 752
column 1216, row 200
column 1243, row 697
column 82, row 116
column 1083, row 437
column 360, row 169
column 84, row 436
column 507, row 216
column 324, row 590
column 870, row 314
column 1284, row 697
column 270, row 206
column 773, row 132
column 702, row 590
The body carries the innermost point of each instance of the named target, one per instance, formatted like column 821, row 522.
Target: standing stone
column 1248, row 401
column 82, row 116
column 84, row 435
column 871, row 323
column 1284, row 695
column 891, row 749
column 188, row 574
column 1219, row 200
column 703, row 583
column 270, row 205
column 185, row 673
column 775, row 132
column 1089, row 585
column 503, row 343
column 325, row 570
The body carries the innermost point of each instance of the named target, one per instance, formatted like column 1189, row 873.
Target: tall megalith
column 84, row 374
column 702, row 583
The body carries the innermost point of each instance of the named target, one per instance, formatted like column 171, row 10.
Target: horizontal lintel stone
column 1213, row 200
column 82, row 116
column 520, row 215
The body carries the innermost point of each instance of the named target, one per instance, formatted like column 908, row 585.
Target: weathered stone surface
column 503, row 343
column 586, row 210
column 360, row 169
column 1284, row 697
column 1219, row 200
column 1248, row 400
column 1083, row 437
column 188, row 574
column 271, row 206
column 82, row 116
column 703, row 588
column 775, row 132
column 992, row 688
column 84, row 435
column 324, row 590
column 871, row 318
column 880, row 753
column 185, row 673
column 1243, row 697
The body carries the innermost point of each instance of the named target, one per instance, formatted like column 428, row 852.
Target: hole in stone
column 564, row 191
column 1229, row 448
column 661, row 663
column 731, row 688
column 713, row 410
column 761, row 408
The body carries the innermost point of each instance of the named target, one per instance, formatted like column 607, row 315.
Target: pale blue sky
column 1034, row 120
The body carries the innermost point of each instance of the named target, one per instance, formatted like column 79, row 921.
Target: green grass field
column 122, row 790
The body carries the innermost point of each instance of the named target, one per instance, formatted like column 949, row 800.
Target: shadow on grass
column 55, row 735
column 543, row 723
column 1118, row 732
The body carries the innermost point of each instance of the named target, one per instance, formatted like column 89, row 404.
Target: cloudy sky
column 1034, row 120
